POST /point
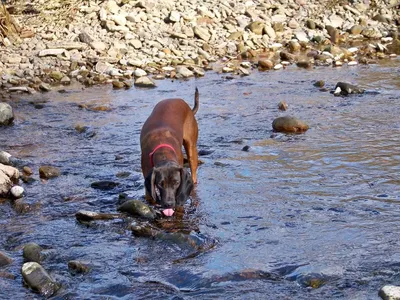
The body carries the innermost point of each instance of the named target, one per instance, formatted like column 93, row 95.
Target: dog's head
column 169, row 185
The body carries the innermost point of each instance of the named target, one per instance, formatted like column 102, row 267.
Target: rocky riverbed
column 136, row 42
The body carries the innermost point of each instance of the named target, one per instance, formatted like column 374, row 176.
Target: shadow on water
column 312, row 216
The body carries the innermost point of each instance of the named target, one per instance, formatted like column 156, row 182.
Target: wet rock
column 6, row 114
column 294, row 46
column 48, row 172
column 283, row 105
column 390, row 292
column 144, row 230
column 86, row 216
column 78, row 266
column 347, row 88
column 4, row 259
column 246, row 148
column 137, row 208
column 36, row 277
column 32, row 252
column 45, row 87
column 313, row 280
column 17, row 191
column 118, row 84
column 7, row 275
column 145, row 81
column 319, row 83
column 265, row 64
column 104, row 185
column 289, row 124
column 305, row 64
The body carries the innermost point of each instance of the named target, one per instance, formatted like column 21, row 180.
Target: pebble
column 278, row 67
column 17, row 191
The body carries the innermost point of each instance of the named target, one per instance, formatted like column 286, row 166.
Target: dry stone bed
column 138, row 41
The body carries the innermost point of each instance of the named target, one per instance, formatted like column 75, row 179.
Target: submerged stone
column 137, row 208
column 4, row 259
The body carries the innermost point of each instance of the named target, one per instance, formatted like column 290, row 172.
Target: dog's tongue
column 168, row 212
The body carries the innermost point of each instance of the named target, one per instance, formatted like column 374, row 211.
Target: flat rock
column 289, row 124
column 145, row 81
column 52, row 52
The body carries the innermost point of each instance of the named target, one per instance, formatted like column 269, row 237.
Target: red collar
column 158, row 147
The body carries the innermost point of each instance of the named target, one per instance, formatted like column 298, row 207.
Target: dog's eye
column 176, row 182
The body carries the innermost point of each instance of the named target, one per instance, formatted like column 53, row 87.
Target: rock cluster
column 122, row 40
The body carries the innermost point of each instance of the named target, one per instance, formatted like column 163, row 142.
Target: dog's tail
column 196, row 101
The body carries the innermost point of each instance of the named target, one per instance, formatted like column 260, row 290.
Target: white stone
column 245, row 64
column 278, row 19
column 17, row 191
column 227, row 70
column 301, row 36
column 387, row 39
column 5, row 157
column 174, row 16
column 353, row 49
column 276, row 46
column 390, row 292
column 140, row 72
column 352, row 63
column 278, row 67
column 112, row 7
column 270, row 31
column 135, row 43
column 337, row 91
column 98, row 46
column 118, row 19
column 51, row 52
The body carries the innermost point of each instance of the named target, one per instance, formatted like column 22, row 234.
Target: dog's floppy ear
column 150, row 184
column 185, row 188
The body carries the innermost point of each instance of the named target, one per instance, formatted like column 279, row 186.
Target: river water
column 311, row 216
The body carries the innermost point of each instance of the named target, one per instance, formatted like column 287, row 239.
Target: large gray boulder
column 6, row 114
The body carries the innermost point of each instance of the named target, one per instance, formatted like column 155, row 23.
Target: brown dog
column 170, row 125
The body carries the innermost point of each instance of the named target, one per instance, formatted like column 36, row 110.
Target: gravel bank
column 124, row 42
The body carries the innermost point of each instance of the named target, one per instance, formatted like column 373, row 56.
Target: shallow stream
column 310, row 216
